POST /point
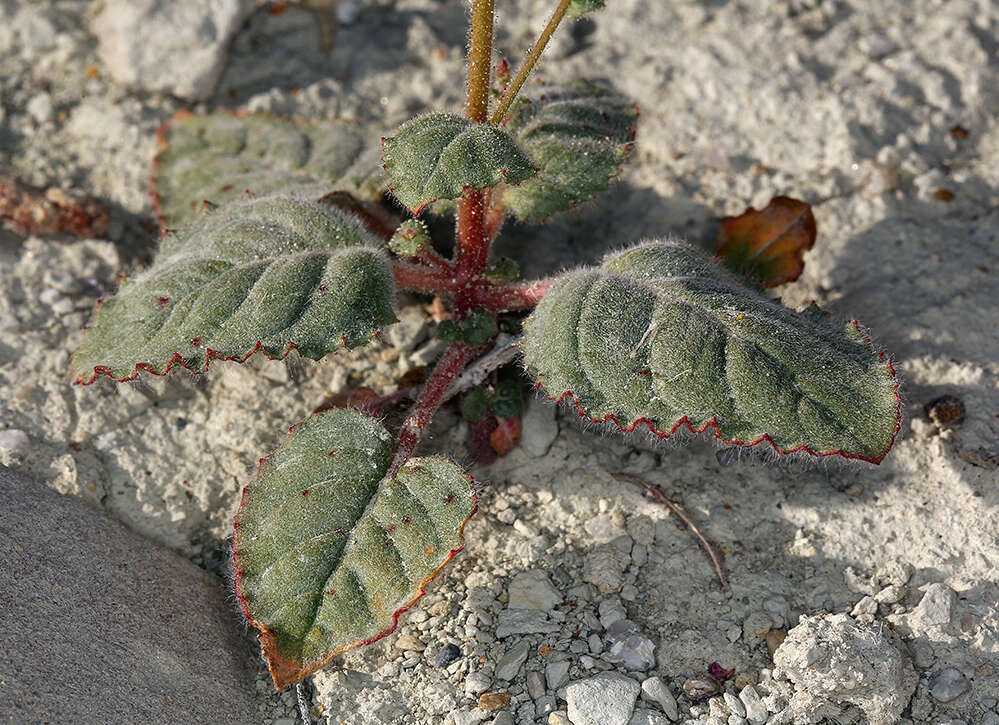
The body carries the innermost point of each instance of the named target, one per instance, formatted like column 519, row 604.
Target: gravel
column 948, row 684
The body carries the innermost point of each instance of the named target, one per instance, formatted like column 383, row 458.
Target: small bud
column 503, row 270
column 410, row 238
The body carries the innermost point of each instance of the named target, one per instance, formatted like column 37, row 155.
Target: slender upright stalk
column 480, row 56
column 532, row 58
column 473, row 239
column 447, row 369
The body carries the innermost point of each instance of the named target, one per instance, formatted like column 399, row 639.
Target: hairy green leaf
column 329, row 549
column 220, row 157
column 438, row 155
column 269, row 274
column 662, row 334
column 579, row 7
column 578, row 135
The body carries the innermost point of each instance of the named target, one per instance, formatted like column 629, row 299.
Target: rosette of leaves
column 331, row 545
column 661, row 334
column 269, row 274
column 578, row 134
column 224, row 157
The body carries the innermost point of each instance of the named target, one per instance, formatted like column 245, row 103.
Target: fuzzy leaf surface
column 268, row 274
column 663, row 334
column 578, row 135
column 329, row 551
column 438, row 155
column 769, row 244
column 220, row 157
column 580, row 7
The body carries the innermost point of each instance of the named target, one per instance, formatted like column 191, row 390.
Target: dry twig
column 657, row 494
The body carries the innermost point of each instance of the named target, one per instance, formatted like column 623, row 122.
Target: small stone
column 184, row 56
column 865, row 609
column 559, row 718
column 14, row 439
column 525, row 529
column 946, row 411
column 604, row 567
column 476, row 683
column 448, row 654
column 595, row 644
column 49, row 296
column 629, row 647
column 737, row 720
column 491, row 701
column 63, row 306
column 545, row 705
column 948, row 684
column 656, row 690
column 409, row 331
column 935, row 608
column 504, row 718
column 756, row 711
column 510, row 663
column 700, row 687
column 641, row 716
column 610, row 611
column 468, row 717
column 535, row 684
column 524, row 621
column 409, row 643
column 40, row 108
column 539, row 428
column 990, row 718
column 604, row 699
column 556, row 674
column 890, row 595
column 533, row 590
column 717, row 707
column 440, row 608
column 734, row 704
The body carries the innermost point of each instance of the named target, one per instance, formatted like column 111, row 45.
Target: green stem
column 480, row 58
column 514, row 88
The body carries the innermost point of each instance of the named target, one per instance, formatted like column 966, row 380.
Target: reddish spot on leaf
column 305, row 492
column 196, row 342
column 768, row 245
column 339, row 530
column 391, row 528
column 407, row 520
column 278, row 8
column 450, row 497
column 323, row 287
column 162, row 302
column 506, row 435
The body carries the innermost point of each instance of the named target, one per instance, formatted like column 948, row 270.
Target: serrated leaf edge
column 713, row 423
column 284, row 671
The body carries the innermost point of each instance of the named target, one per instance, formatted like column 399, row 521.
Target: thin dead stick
column 657, row 494
column 303, row 703
column 504, row 351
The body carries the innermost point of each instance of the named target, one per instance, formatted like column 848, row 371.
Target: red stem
column 473, row 249
column 510, row 297
column 448, row 368
column 418, row 278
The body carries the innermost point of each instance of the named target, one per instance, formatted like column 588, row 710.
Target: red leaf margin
column 210, row 355
column 713, row 423
column 285, row 671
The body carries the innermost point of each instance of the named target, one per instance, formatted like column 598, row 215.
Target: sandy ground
column 882, row 115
